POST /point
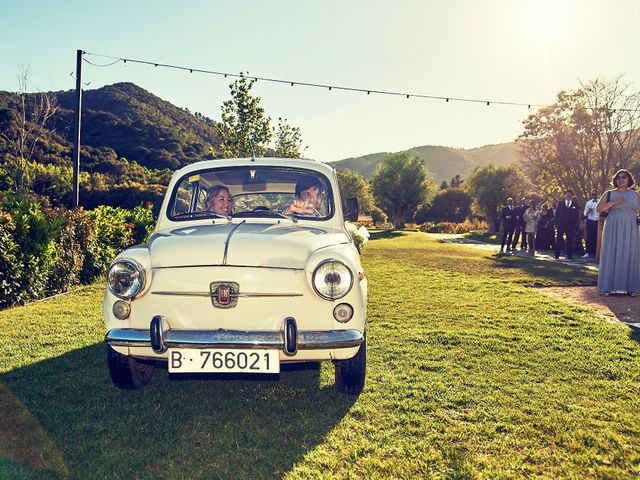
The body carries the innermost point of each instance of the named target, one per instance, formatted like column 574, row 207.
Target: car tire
column 128, row 373
column 350, row 373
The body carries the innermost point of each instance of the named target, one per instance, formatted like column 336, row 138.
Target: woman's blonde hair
column 212, row 192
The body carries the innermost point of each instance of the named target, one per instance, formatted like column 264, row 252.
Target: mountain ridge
column 127, row 129
column 443, row 163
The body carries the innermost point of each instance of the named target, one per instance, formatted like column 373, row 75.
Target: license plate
column 189, row 360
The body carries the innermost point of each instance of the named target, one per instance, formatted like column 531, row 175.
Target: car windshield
column 252, row 192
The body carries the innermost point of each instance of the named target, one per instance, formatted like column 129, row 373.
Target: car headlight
column 125, row 279
column 332, row 279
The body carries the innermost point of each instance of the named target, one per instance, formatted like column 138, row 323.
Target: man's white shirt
column 590, row 210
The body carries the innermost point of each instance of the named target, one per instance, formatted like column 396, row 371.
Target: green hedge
column 451, row 227
column 44, row 251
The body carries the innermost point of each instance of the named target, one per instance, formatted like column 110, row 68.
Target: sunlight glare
column 545, row 26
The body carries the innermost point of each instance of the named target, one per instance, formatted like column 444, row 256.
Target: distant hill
column 131, row 141
column 139, row 126
column 124, row 120
column 443, row 163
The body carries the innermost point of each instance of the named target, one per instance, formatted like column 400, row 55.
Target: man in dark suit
column 508, row 219
column 520, row 226
column 567, row 218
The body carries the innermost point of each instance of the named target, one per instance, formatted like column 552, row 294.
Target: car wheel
column 127, row 372
column 350, row 373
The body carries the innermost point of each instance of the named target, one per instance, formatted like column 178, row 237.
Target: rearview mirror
column 352, row 209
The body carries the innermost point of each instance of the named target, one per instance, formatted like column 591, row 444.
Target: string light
column 319, row 85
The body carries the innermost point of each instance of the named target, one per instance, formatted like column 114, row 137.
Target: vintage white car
column 251, row 265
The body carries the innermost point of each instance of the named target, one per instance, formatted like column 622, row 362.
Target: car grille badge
column 224, row 294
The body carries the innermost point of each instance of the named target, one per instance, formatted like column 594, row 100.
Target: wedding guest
column 530, row 216
column 591, row 215
column 508, row 221
column 567, row 216
column 619, row 270
column 520, row 209
column 545, row 235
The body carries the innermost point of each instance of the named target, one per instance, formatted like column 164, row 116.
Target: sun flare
column 545, row 26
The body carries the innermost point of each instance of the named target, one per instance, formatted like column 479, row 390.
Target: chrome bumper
column 160, row 337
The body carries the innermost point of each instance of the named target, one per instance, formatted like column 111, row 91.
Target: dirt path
column 622, row 307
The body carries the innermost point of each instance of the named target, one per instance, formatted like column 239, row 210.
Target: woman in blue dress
column 619, row 270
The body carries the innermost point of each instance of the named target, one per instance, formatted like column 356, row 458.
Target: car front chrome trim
column 239, row 294
column 307, row 340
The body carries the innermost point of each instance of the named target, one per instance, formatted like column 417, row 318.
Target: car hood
column 241, row 244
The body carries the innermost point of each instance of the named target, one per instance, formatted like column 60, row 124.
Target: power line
column 292, row 83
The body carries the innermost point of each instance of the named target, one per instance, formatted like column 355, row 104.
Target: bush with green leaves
column 111, row 233
column 10, row 266
column 74, row 230
column 452, row 227
column 142, row 221
column 44, row 251
column 34, row 236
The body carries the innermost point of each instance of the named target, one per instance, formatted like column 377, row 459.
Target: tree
column 489, row 187
column 288, row 140
column 449, row 205
column 456, row 181
column 26, row 128
column 582, row 139
column 400, row 184
column 245, row 130
column 353, row 184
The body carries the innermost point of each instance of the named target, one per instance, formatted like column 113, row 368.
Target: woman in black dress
column 545, row 232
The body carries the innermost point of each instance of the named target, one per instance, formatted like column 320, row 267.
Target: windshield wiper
column 201, row 215
column 267, row 213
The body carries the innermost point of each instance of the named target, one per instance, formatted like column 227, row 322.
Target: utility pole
column 76, row 131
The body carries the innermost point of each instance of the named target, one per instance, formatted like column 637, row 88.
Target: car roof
column 257, row 162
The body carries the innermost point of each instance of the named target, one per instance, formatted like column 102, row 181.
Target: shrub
column 450, row 227
column 74, row 232
column 10, row 266
column 34, row 236
column 142, row 221
column 378, row 216
column 112, row 233
column 47, row 251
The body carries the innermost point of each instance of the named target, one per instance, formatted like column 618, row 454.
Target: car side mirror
column 351, row 210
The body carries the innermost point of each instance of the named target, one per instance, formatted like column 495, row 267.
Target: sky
column 491, row 50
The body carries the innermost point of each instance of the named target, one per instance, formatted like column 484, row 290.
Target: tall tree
column 489, row 187
column 25, row 129
column 582, row 139
column 353, row 184
column 448, row 205
column 245, row 129
column 400, row 184
column 288, row 140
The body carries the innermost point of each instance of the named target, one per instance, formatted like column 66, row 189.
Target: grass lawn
column 471, row 374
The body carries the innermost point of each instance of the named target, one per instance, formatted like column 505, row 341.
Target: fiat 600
column 251, row 265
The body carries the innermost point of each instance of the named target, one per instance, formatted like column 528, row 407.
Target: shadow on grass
column 219, row 427
column 634, row 334
column 386, row 234
column 556, row 272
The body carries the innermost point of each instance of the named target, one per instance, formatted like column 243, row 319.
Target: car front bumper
column 161, row 337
